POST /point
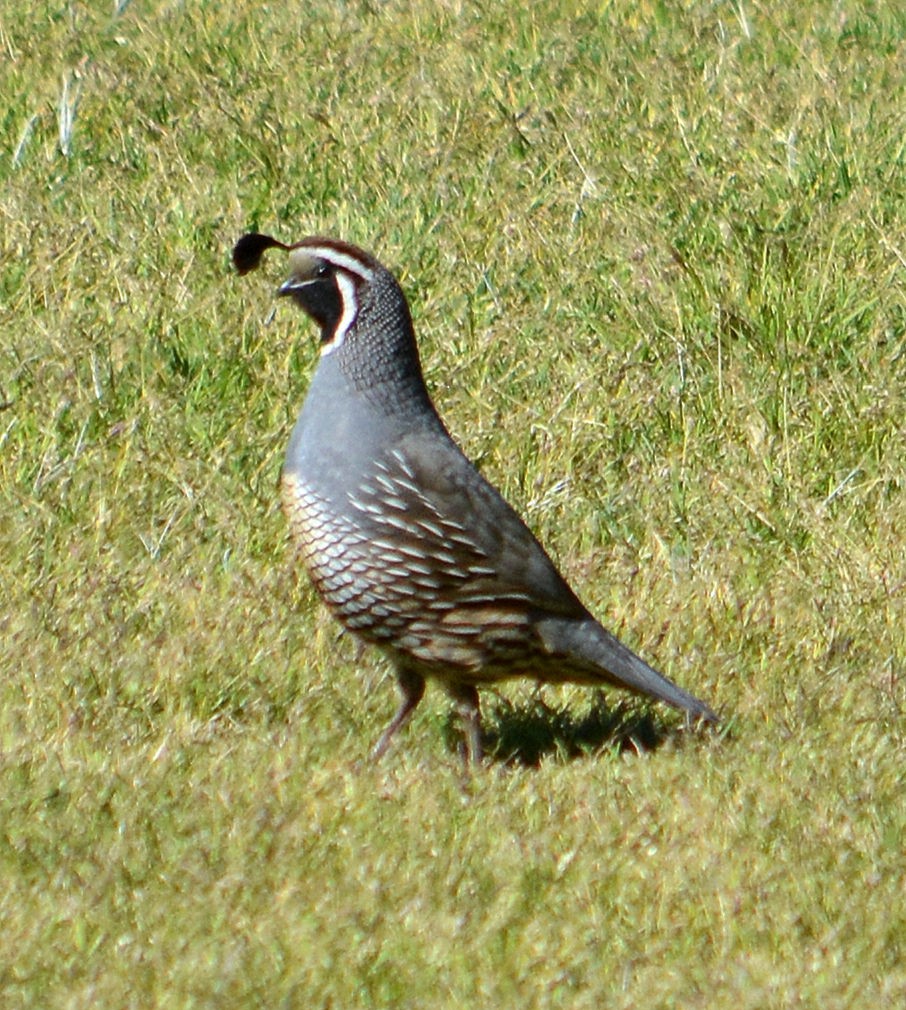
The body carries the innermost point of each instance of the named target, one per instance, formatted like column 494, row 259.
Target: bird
column 409, row 546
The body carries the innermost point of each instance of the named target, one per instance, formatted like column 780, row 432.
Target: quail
column 407, row 544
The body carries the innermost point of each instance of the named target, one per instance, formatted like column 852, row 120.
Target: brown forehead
column 342, row 255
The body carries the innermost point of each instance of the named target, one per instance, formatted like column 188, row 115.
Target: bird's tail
column 604, row 658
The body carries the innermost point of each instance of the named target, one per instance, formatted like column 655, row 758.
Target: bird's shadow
column 525, row 733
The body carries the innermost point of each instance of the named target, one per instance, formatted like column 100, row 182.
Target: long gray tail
column 606, row 659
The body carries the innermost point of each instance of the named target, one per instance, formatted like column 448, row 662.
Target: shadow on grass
column 526, row 733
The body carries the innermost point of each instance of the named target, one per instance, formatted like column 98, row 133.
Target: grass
column 655, row 256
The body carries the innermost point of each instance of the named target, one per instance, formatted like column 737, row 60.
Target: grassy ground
column 656, row 259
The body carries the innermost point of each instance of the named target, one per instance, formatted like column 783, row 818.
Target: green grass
column 655, row 253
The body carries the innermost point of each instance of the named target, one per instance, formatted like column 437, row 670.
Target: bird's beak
column 292, row 286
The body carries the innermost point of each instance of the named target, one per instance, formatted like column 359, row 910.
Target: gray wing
column 468, row 529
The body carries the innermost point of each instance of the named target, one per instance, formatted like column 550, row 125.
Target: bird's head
column 331, row 281
column 360, row 308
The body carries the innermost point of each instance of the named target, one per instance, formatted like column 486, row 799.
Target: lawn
column 656, row 258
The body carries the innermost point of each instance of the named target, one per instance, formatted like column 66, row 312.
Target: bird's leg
column 412, row 687
column 469, row 709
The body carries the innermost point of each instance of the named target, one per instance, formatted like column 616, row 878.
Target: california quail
column 410, row 547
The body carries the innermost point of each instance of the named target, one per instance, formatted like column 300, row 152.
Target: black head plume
column 250, row 248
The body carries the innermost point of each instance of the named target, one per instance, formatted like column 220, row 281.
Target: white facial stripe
column 340, row 259
column 350, row 308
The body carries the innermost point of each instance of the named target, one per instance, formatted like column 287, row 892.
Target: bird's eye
column 322, row 269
